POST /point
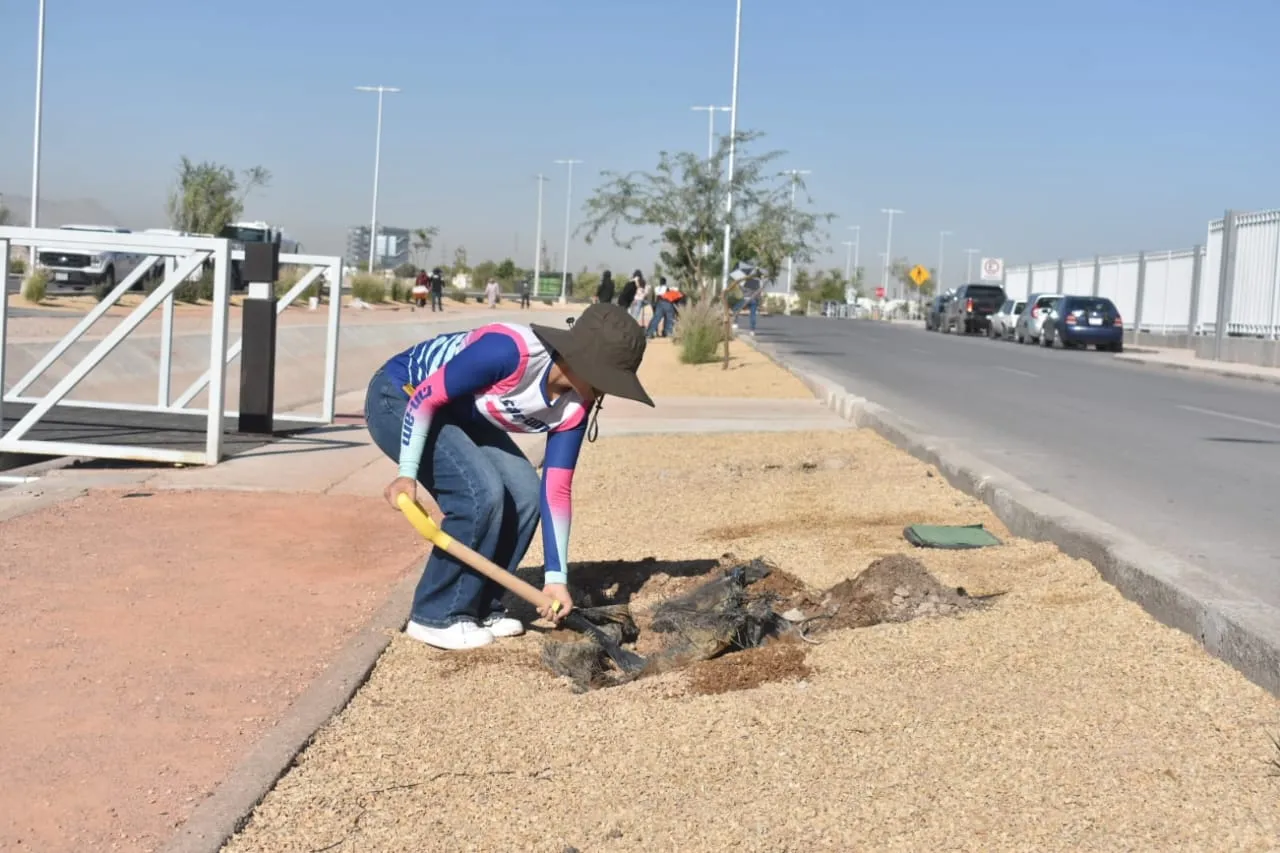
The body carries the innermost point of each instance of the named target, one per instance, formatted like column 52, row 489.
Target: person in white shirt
column 491, row 293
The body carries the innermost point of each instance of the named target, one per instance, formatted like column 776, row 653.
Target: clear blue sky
column 1031, row 130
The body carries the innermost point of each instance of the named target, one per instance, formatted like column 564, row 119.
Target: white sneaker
column 459, row 635
column 503, row 626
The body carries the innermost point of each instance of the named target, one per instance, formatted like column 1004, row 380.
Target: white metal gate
column 184, row 258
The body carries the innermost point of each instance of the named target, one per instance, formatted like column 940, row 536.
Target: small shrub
column 398, row 292
column 291, row 275
column 17, row 266
column 195, row 291
column 370, row 288
column 35, row 286
column 406, row 271
column 547, row 301
column 458, row 295
column 701, row 332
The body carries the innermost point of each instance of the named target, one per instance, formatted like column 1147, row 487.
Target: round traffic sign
column 991, row 267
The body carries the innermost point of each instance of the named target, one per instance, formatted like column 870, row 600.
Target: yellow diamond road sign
column 919, row 275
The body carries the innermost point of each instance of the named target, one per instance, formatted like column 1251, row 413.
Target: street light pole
column 377, row 162
column 711, row 127
column 537, row 240
column 733, row 139
column 35, row 152
column 969, row 271
column 888, row 247
column 568, row 208
column 795, row 182
column 942, row 236
column 857, row 243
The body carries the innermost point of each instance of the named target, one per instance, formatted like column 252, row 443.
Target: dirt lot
column 750, row 374
column 1061, row 718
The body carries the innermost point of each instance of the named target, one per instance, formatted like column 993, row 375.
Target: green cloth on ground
column 949, row 536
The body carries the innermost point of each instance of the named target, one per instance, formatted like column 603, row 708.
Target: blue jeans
column 487, row 489
column 664, row 312
column 752, row 304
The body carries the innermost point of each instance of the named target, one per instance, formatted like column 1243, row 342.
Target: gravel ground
column 1060, row 718
column 750, row 374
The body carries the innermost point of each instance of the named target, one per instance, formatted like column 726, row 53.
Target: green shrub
column 547, row 301
column 195, row 291
column 458, row 295
column 700, row 331
column 370, row 288
column 35, row 286
column 17, row 266
column 398, row 292
column 406, row 271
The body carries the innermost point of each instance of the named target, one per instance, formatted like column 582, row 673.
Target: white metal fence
column 1176, row 292
column 183, row 258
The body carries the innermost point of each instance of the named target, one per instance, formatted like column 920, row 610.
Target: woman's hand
column 405, row 486
column 558, row 592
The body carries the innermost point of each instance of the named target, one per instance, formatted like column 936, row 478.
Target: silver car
column 1002, row 322
column 1027, row 329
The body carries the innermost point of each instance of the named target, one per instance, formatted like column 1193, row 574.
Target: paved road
column 1186, row 462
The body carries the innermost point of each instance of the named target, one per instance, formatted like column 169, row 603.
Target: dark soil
column 724, row 623
column 779, row 660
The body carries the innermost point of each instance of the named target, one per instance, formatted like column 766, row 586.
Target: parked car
column 1027, row 329
column 1002, row 322
column 970, row 309
column 1078, row 321
column 75, row 270
column 933, row 319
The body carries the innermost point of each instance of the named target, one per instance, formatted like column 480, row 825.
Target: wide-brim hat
column 604, row 347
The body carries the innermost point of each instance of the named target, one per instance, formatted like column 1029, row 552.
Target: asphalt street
column 1187, row 462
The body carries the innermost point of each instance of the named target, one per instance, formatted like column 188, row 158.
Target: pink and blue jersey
column 499, row 373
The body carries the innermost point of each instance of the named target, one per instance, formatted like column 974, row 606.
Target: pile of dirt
column 738, row 606
column 896, row 588
column 781, row 660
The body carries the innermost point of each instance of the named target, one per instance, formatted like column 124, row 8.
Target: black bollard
column 258, row 350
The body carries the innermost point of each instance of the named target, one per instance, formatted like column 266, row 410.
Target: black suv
column 933, row 320
column 970, row 308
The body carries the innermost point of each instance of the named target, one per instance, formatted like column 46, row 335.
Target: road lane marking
column 1017, row 371
column 1241, row 418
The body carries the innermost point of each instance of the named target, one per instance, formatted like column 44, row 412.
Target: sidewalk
column 1185, row 359
column 173, row 636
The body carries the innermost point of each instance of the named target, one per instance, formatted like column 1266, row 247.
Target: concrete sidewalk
column 1185, row 359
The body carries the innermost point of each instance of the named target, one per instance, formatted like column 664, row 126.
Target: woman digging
column 443, row 408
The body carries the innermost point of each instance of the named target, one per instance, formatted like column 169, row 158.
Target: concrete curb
column 228, row 809
column 1241, row 632
column 1198, row 368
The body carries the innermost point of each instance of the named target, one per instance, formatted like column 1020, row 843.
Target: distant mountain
column 55, row 212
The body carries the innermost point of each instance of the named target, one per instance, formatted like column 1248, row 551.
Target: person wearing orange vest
column 665, row 300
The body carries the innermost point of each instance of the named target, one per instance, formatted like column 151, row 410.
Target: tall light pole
column 857, row 243
column 942, row 236
column 969, row 272
column 848, row 267
column 795, row 182
column 888, row 247
column 377, row 162
column 35, row 149
column 711, row 126
column 537, row 240
column 568, row 209
column 733, row 139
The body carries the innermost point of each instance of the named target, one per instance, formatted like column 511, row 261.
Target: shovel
column 628, row 662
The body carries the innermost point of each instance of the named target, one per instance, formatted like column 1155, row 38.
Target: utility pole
column 795, row 182
column 568, row 210
column 711, row 127
column 35, row 149
column 942, row 236
column 733, row 139
column 888, row 249
column 969, row 271
column 537, row 242
column 377, row 157
column 857, row 243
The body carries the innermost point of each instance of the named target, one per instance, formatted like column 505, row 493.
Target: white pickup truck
column 78, row 270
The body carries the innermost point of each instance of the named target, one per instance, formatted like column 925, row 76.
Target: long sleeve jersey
column 499, row 373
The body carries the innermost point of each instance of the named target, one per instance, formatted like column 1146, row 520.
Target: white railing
column 1176, row 292
column 323, row 270
column 184, row 258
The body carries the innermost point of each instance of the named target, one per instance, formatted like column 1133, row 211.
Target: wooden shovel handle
column 431, row 531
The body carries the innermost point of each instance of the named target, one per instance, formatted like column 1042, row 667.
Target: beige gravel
column 750, row 374
column 1063, row 718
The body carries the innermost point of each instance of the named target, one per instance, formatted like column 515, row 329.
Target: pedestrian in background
column 604, row 293
column 437, row 290
column 525, row 294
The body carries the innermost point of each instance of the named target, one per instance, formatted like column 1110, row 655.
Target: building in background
column 393, row 247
